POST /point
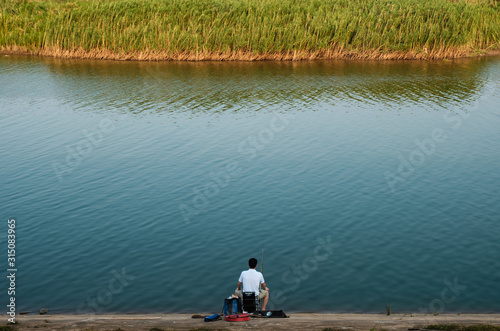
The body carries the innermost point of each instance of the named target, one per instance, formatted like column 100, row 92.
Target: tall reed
column 249, row 29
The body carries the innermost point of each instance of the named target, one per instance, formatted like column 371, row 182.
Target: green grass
column 456, row 327
column 250, row 26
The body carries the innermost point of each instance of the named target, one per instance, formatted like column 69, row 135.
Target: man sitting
column 251, row 279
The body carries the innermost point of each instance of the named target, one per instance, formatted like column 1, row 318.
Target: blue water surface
column 146, row 187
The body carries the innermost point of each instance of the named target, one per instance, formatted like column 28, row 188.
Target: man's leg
column 239, row 293
column 264, row 296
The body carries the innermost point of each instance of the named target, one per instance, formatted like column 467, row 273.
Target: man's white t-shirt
column 251, row 280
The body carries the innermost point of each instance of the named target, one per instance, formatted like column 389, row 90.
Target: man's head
column 252, row 263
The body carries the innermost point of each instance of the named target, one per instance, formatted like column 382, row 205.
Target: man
column 251, row 279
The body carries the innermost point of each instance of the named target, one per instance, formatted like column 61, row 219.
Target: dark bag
column 271, row 313
column 232, row 306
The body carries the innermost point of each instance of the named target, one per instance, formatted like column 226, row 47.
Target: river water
column 146, row 187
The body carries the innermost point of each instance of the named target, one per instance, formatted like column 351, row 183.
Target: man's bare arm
column 239, row 286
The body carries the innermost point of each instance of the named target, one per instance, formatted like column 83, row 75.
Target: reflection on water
column 317, row 177
column 142, row 87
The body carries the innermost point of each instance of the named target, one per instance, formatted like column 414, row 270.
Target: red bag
column 237, row 317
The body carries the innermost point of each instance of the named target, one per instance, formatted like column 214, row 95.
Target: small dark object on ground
column 456, row 327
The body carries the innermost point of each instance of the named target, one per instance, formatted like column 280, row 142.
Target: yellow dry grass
column 104, row 54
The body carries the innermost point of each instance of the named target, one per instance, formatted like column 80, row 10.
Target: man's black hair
column 252, row 263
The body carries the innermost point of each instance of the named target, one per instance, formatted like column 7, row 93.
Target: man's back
column 251, row 280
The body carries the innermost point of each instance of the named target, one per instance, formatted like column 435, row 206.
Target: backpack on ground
column 232, row 306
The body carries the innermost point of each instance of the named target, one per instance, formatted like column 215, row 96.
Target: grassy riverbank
column 249, row 29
